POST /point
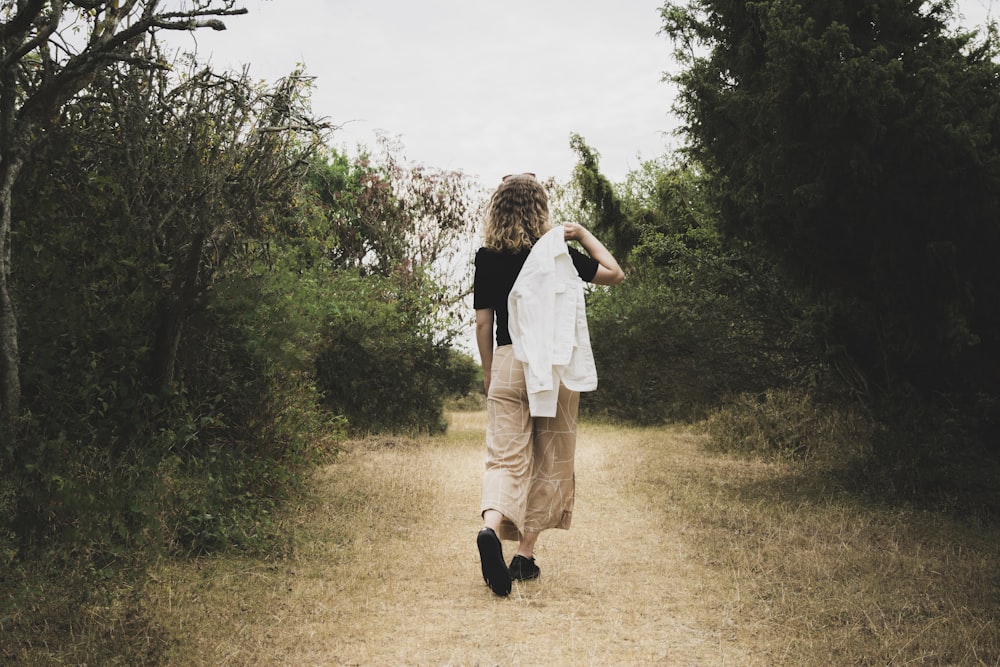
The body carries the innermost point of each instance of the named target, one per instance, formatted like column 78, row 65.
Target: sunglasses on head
column 527, row 174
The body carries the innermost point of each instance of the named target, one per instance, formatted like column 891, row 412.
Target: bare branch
column 191, row 24
column 43, row 36
column 77, row 71
column 23, row 20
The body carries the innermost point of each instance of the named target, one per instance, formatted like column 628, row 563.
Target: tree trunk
column 10, row 381
column 11, row 158
column 174, row 310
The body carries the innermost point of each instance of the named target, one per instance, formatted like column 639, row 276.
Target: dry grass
column 52, row 616
column 676, row 557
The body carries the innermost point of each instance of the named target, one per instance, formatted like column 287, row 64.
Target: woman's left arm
column 608, row 273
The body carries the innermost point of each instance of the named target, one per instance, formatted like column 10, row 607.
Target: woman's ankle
column 492, row 520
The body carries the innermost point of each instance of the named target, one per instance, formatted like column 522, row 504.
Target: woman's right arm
column 484, row 340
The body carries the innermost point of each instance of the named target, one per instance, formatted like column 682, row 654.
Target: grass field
column 677, row 556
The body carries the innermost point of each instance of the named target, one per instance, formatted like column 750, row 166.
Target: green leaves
column 380, row 363
column 843, row 140
column 697, row 319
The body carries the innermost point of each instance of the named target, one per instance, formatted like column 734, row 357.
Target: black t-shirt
column 495, row 276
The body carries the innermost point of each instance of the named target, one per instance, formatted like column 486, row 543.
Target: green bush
column 696, row 319
column 154, row 391
column 201, row 468
column 682, row 333
column 379, row 364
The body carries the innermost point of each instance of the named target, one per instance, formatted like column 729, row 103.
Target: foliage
column 857, row 144
column 146, row 209
column 380, row 365
column 184, row 277
column 153, row 203
column 696, row 320
column 182, row 263
column 383, row 216
column 51, row 51
column 611, row 220
column 383, row 244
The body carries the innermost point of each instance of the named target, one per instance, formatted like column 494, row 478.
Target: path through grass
column 676, row 557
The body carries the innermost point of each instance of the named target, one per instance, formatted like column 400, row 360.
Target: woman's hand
column 574, row 232
column 608, row 273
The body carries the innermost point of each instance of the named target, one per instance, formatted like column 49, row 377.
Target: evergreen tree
column 857, row 143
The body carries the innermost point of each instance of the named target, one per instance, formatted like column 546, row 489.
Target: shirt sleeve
column 483, row 283
column 586, row 266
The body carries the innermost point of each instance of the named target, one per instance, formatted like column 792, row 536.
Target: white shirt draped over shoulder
column 548, row 325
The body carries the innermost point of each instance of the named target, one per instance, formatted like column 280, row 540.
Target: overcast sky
column 488, row 88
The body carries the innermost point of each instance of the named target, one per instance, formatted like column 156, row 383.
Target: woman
column 529, row 481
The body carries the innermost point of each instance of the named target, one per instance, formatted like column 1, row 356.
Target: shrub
column 379, row 364
column 789, row 423
column 673, row 340
column 697, row 318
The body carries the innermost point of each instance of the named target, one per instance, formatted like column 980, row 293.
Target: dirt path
column 384, row 569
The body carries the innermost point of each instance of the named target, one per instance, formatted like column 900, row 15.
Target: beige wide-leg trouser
column 529, row 461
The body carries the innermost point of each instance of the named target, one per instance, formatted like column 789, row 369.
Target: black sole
column 491, row 557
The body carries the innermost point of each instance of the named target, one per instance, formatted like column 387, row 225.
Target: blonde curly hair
column 518, row 214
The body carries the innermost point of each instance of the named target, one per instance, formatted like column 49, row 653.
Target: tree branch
column 43, row 35
column 190, row 24
column 60, row 87
column 23, row 20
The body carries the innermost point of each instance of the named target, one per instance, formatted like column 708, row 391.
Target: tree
column 393, row 269
column 207, row 179
column 149, row 215
column 857, row 143
column 599, row 195
column 385, row 216
column 50, row 50
column 721, row 321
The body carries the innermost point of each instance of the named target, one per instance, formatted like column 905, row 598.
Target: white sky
column 488, row 88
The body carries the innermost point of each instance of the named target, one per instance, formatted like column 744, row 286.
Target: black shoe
column 495, row 572
column 523, row 569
